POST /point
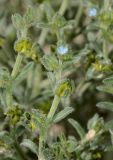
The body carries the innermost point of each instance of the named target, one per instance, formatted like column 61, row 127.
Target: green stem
column 42, row 37
column 9, row 98
column 40, row 148
column 16, row 67
column 49, row 116
column 106, row 4
column 63, row 7
column 78, row 15
column 105, row 52
column 54, row 106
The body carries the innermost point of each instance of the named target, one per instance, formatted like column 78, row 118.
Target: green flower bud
column 26, row 47
column 23, row 46
column 32, row 125
column 64, row 88
column 101, row 67
column 14, row 114
column 36, row 53
column 98, row 66
column 97, row 155
column 106, row 17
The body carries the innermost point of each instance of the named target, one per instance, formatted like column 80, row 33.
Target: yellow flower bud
column 23, row 46
column 33, row 55
column 63, row 88
column 14, row 114
column 32, row 125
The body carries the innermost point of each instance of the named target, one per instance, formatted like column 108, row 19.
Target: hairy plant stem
column 42, row 36
column 17, row 66
column 9, row 98
column 50, row 115
column 56, row 99
column 63, row 7
column 105, row 50
column 41, row 157
column 44, row 32
column 79, row 14
column 54, row 106
column 105, row 47
column 106, row 4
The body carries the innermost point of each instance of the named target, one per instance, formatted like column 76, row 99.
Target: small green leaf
column 93, row 121
column 108, row 80
column 50, row 62
column 3, row 133
column 30, row 145
column 111, row 133
column 78, row 127
column 63, row 114
column 4, row 78
column 106, row 88
column 109, row 149
column 29, row 17
column 105, row 105
column 17, row 21
column 109, row 125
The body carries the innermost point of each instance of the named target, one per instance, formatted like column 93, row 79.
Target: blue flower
column 92, row 12
column 62, row 50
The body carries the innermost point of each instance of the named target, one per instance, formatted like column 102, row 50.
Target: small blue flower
column 62, row 50
column 92, row 12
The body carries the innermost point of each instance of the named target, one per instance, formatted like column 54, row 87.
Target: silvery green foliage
column 63, row 50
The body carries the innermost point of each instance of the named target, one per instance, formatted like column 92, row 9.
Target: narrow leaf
column 30, row 145
column 23, row 73
column 106, row 88
column 109, row 125
column 105, row 105
column 108, row 80
column 78, row 127
column 63, row 114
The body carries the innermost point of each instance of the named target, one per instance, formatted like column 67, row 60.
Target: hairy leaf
column 63, row 114
column 105, row 105
column 106, row 88
column 30, row 145
column 108, row 80
column 78, row 127
column 23, row 73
